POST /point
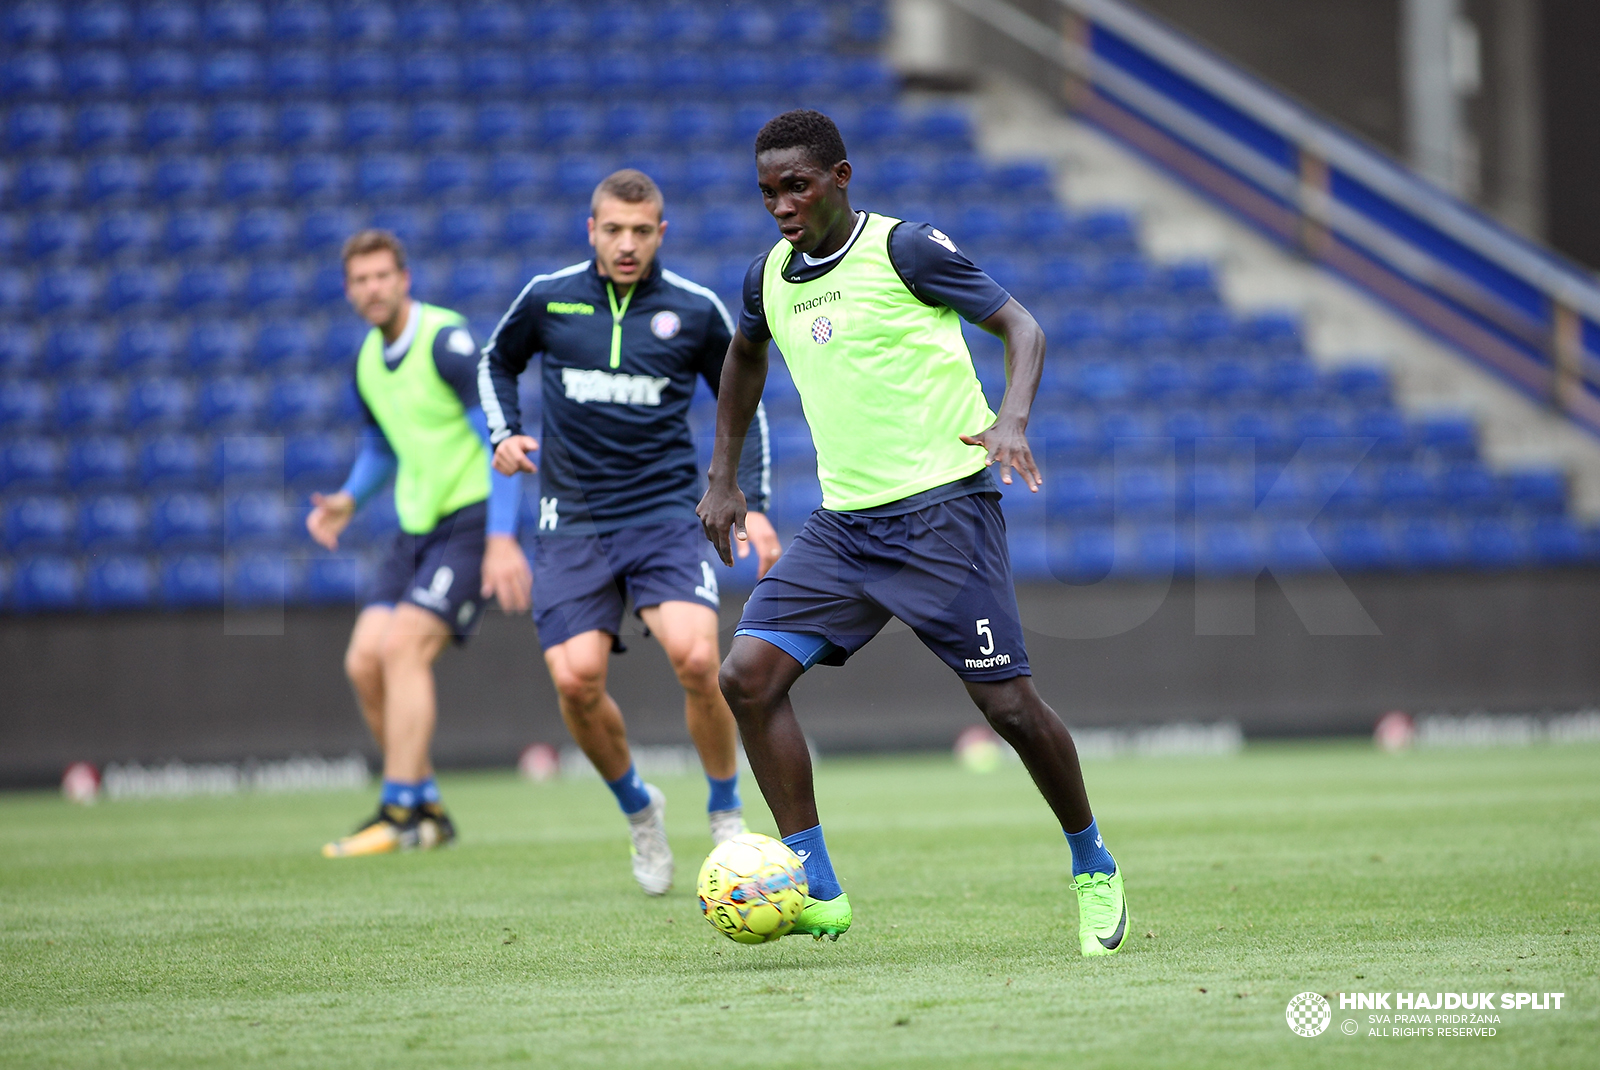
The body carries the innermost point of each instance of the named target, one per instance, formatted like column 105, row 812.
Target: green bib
column 886, row 382
column 443, row 463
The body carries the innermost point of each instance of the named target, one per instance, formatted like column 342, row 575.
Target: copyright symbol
column 1349, row 1027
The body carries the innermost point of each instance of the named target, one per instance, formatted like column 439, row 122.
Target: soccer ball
column 752, row 888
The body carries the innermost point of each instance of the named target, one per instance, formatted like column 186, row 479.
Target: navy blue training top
column 616, row 449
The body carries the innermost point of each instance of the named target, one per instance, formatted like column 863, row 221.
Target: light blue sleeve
column 505, row 492
column 374, row 466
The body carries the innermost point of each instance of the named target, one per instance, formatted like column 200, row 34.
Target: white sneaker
column 726, row 824
column 652, row 858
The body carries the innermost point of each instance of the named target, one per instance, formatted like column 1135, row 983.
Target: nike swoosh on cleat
column 1116, row 937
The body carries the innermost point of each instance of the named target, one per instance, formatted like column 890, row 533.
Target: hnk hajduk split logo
column 1308, row 1014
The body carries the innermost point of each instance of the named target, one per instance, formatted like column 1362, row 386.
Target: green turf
column 209, row 933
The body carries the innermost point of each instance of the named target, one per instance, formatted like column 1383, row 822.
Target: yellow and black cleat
column 395, row 828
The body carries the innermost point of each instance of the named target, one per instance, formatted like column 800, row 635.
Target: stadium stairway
column 176, row 178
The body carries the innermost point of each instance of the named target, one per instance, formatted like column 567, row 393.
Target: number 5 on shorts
column 988, row 637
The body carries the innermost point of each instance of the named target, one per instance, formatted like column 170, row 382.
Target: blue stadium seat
column 254, row 518
column 159, row 404
column 14, row 291
column 55, row 235
column 327, row 288
column 1220, row 490
column 576, row 175
column 66, row 291
column 30, row 76
column 1022, row 180
column 1427, row 542
column 430, row 73
column 384, row 178
column 364, row 74
column 251, row 179
column 30, row 463
column 493, row 74
column 684, row 76
column 299, row 22
column 261, row 232
column 36, row 522
column 134, row 289
column 101, row 127
column 1540, row 491
column 197, row 233
column 747, row 26
column 144, row 346
column 324, row 230
column 1558, row 540
column 228, row 401
column 318, row 179
column 451, row 176
column 428, row 21
column 1495, row 545
column 164, row 74
column 283, row 343
column 1063, row 275
column 204, row 288
column 272, row 286
column 514, row 176
column 694, row 126
column 299, row 401
column 102, row 22
column 215, row 345
column 237, row 124
column 95, row 75
column 191, row 581
column 166, row 22
column 526, row 227
column 110, row 522
column 19, row 352
column 564, row 125
column 127, row 233
column 1450, row 437
column 1359, row 545
column 119, row 582
column 404, row 222
column 233, row 22
column 476, row 281
column 338, row 579
column 370, row 124
column 43, row 181
column 303, row 126
column 1207, row 328
column 747, row 75
column 492, row 20
column 74, row 347
column 499, row 125
column 231, row 74
column 437, row 124
column 615, row 23
column 317, row 460
column 88, row 405
column 37, row 128
column 363, row 22
column 183, row 180
column 463, row 228
column 629, row 124
column 245, row 460
column 298, row 74
column 257, row 580
column 113, row 180
column 342, row 341
column 184, row 521
column 46, row 583
column 99, row 462
column 37, row 23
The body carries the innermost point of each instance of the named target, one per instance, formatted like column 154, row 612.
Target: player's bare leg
column 687, row 631
column 578, row 669
column 363, row 664
column 415, row 639
column 756, row 678
column 1014, row 709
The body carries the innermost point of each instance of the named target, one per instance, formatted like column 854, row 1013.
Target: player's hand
column 758, row 531
column 511, row 456
column 506, row 576
column 330, row 515
column 1006, row 442
column 721, row 509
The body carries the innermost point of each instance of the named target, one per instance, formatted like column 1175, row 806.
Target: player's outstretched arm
column 744, row 375
column 1006, row 440
column 330, row 515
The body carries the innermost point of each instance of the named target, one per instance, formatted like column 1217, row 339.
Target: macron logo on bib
column 586, row 385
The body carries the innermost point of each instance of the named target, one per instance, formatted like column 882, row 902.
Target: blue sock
column 428, row 791
column 1089, row 854
column 398, row 793
column 629, row 790
column 813, row 854
column 724, row 793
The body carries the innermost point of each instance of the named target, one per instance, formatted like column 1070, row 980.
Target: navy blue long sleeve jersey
column 616, row 449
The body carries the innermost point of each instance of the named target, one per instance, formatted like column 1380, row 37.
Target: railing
column 1513, row 305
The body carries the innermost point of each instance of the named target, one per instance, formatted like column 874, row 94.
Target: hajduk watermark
column 1416, row 1014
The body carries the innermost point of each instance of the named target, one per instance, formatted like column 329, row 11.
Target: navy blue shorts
column 944, row 570
column 441, row 571
column 580, row 582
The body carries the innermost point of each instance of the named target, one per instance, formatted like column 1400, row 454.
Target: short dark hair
column 803, row 129
column 371, row 241
column 628, row 186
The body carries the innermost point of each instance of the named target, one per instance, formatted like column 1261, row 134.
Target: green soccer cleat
column 823, row 917
column 1102, row 912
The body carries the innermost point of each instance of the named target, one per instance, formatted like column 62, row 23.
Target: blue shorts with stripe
column 945, row 570
column 441, row 571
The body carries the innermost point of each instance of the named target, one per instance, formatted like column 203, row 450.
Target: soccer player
column 624, row 341
column 865, row 309
column 416, row 378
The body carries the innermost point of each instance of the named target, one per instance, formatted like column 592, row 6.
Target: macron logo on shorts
column 585, row 385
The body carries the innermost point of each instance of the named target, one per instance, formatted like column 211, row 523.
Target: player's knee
column 578, row 685
column 1010, row 711
column 695, row 664
column 405, row 649
column 363, row 666
column 749, row 691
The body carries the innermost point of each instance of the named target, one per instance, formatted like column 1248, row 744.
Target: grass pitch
column 207, row 932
